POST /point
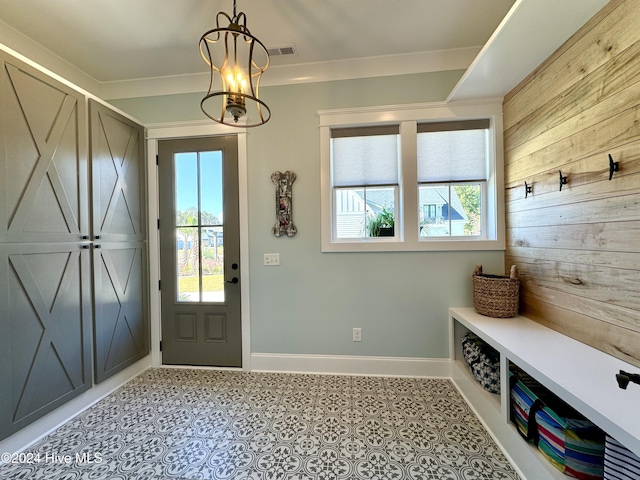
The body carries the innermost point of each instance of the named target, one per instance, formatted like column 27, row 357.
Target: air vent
column 282, row 50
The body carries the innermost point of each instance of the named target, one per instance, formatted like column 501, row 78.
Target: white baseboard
column 351, row 365
column 41, row 427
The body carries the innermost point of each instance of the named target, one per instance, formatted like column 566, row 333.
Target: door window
column 199, row 226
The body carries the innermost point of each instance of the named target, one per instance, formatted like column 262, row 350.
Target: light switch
column 272, row 259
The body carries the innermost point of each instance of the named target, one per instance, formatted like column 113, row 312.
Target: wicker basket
column 494, row 295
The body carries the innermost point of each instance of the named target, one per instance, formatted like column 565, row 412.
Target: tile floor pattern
column 203, row 424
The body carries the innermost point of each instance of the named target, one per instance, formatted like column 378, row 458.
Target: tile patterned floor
column 202, row 424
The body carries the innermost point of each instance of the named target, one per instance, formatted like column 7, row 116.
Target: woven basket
column 494, row 295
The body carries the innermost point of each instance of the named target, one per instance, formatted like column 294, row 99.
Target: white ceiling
column 130, row 45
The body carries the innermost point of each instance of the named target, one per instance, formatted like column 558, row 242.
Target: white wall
column 310, row 303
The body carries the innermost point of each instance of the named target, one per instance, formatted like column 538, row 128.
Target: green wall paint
column 311, row 302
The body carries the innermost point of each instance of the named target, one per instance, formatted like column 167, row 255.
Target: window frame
column 407, row 209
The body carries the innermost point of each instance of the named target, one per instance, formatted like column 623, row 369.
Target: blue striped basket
column 571, row 443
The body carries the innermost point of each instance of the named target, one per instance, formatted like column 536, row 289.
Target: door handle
column 233, row 280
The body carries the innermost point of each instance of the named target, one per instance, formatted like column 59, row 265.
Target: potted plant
column 382, row 224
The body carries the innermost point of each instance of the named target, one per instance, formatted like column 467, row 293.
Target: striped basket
column 571, row 443
column 526, row 400
column 620, row 463
column 494, row 295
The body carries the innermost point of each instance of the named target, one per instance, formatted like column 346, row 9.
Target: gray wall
column 310, row 303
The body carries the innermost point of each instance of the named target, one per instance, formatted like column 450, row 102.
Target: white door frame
column 162, row 131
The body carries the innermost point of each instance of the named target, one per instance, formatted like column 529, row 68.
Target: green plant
column 384, row 219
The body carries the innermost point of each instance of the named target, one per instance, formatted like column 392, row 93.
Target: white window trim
column 408, row 116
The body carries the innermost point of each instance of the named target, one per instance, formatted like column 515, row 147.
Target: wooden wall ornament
column 284, row 222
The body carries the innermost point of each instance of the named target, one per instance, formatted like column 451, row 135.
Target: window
column 365, row 181
column 429, row 212
column 452, row 177
column 415, row 177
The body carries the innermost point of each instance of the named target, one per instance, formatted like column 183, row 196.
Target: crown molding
column 410, row 63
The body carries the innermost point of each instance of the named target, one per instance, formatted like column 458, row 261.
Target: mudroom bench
column 582, row 376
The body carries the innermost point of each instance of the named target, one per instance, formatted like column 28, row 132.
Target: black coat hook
column 624, row 378
column 563, row 180
column 527, row 189
column 613, row 166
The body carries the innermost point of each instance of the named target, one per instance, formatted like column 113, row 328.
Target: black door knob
column 233, row 280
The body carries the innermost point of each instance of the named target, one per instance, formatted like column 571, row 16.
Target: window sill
column 416, row 246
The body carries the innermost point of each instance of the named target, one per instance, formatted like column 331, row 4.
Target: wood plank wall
column 578, row 250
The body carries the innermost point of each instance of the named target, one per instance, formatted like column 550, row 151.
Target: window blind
column 453, row 151
column 365, row 156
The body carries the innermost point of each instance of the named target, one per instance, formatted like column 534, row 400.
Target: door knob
column 233, row 280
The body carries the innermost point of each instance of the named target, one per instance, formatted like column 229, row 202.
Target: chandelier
column 237, row 59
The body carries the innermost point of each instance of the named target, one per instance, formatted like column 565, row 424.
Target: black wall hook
column 624, row 378
column 563, row 180
column 527, row 189
column 613, row 166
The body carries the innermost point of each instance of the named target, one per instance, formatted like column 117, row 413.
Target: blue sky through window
column 186, row 173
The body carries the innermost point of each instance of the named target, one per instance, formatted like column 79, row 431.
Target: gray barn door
column 44, row 258
column 45, row 308
column 44, row 165
column 121, row 324
column 200, row 252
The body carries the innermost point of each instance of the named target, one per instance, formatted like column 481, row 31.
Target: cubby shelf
column 581, row 375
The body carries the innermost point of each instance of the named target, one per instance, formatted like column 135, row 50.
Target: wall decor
column 284, row 222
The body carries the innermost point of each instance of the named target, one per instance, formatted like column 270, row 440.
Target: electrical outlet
column 272, row 259
column 357, row 334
